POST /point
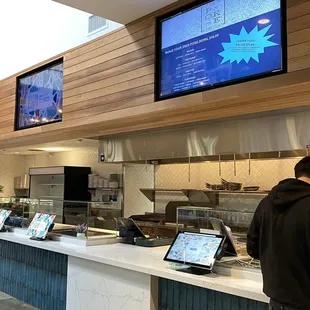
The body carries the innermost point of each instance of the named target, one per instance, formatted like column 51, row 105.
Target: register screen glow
column 195, row 249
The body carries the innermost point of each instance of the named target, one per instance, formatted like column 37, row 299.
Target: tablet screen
column 219, row 225
column 131, row 225
column 195, row 249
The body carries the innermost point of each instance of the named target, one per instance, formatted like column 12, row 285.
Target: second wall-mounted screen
column 219, row 42
column 39, row 96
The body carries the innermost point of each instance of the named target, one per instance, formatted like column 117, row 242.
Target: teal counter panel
column 179, row 296
column 37, row 277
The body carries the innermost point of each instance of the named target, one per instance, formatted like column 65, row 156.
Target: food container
column 113, row 184
column 231, row 186
column 215, row 187
column 114, row 177
column 101, row 182
column 106, row 198
column 106, row 183
column 96, row 181
column 91, row 180
column 251, row 188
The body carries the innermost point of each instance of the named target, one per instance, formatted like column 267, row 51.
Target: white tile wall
column 136, row 177
column 264, row 173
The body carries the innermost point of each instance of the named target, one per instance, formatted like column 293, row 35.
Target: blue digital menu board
column 39, row 96
column 219, row 42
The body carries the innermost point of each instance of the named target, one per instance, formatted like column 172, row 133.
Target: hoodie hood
column 288, row 192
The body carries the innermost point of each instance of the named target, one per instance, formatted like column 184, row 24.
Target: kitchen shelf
column 104, row 203
column 261, row 192
column 105, row 189
column 150, row 192
column 49, row 184
column 52, row 197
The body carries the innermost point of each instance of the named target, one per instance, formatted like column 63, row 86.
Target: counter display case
column 98, row 216
column 22, row 208
column 197, row 219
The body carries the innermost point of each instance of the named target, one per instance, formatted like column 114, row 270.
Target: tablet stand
column 6, row 229
column 195, row 270
column 128, row 235
column 37, row 239
column 48, row 236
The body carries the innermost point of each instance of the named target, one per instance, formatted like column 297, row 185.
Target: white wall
column 265, row 173
column 136, row 177
column 16, row 165
column 35, row 30
column 10, row 167
column 87, row 157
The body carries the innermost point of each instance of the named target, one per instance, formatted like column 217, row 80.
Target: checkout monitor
column 129, row 225
column 218, row 224
column 195, row 249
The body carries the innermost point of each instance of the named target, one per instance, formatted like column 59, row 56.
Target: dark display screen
column 218, row 43
column 39, row 97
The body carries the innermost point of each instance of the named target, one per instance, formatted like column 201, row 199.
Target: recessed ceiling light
column 54, row 149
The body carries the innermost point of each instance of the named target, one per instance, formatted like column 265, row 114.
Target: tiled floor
column 9, row 303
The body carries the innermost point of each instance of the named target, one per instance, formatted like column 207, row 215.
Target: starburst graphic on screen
column 245, row 46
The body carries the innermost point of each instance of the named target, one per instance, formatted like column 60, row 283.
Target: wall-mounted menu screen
column 219, row 42
column 39, row 96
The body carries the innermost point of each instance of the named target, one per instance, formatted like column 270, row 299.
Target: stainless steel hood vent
column 253, row 135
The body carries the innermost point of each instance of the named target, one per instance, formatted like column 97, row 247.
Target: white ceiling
column 54, row 147
column 121, row 11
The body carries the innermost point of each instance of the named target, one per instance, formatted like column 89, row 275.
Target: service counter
column 52, row 275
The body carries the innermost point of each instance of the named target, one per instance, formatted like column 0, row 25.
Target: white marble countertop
column 148, row 261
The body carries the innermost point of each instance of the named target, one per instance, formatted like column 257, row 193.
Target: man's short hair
column 302, row 168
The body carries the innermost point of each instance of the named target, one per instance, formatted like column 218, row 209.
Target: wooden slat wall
column 109, row 86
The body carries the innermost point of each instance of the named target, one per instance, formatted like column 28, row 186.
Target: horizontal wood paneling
column 298, row 37
column 299, row 23
column 111, row 37
column 300, row 63
column 299, row 50
column 89, row 73
column 112, row 106
column 128, row 40
column 298, row 10
column 4, row 93
column 123, row 96
column 109, row 86
column 111, row 55
column 96, row 79
column 94, row 88
column 292, row 3
column 143, row 79
column 7, row 114
column 7, row 102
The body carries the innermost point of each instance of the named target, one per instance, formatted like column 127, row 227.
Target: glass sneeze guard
column 100, row 217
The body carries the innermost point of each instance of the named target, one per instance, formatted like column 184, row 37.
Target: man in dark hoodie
column 279, row 236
